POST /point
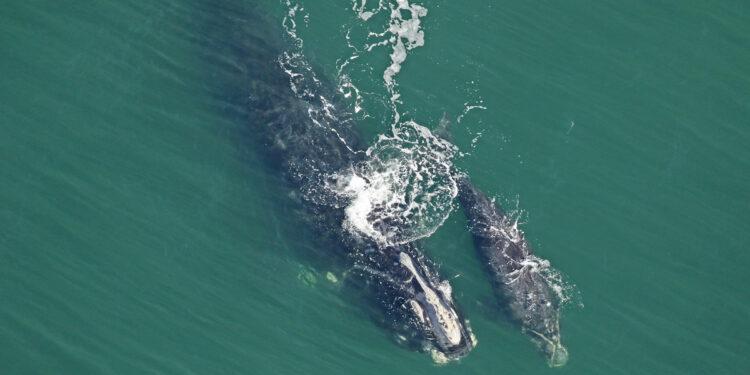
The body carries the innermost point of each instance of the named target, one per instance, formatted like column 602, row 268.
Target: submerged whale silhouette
column 297, row 121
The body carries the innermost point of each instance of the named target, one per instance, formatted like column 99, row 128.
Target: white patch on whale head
column 442, row 318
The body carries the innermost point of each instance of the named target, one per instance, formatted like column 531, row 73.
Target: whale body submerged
column 515, row 273
column 296, row 120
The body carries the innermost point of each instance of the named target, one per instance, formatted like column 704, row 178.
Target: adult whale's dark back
column 295, row 119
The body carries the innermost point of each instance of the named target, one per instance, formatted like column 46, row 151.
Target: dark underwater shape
column 295, row 119
column 514, row 272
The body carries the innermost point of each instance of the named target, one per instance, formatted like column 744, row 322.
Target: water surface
column 137, row 235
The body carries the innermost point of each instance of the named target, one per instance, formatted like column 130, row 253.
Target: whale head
column 431, row 304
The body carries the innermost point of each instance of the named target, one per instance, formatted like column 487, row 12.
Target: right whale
column 514, row 272
column 513, row 269
column 300, row 125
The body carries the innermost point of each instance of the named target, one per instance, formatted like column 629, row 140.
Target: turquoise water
column 137, row 235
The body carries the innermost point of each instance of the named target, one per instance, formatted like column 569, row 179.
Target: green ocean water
column 139, row 236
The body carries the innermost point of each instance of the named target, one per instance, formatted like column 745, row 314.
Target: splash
column 402, row 32
column 405, row 35
column 565, row 290
column 302, row 78
column 404, row 190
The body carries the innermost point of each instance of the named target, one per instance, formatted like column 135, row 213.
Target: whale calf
column 296, row 120
column 515, row 272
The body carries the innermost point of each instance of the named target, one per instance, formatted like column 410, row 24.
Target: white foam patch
column 406, row 35
column 468, row 108
column 566, row 292
column 404, row 190
column 361, row 9
column 290, row 24
column 564, row 289
column 302, row 78
column 402, row 33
